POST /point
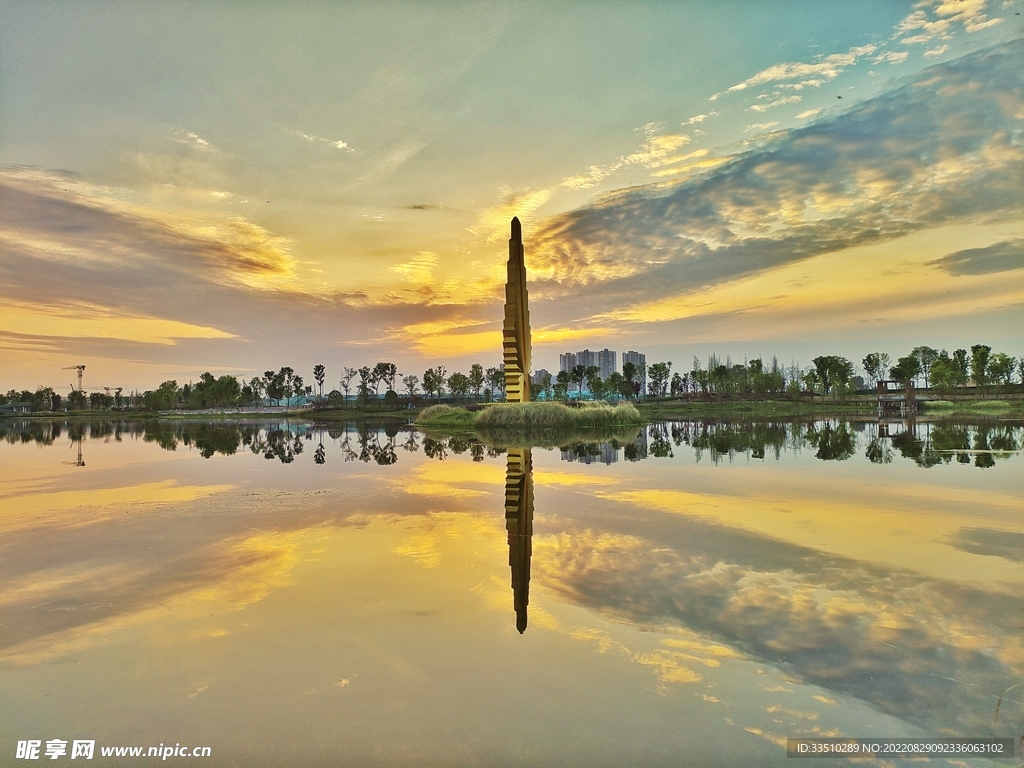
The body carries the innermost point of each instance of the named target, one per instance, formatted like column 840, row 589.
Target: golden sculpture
column 519, row 524
column 516, row 328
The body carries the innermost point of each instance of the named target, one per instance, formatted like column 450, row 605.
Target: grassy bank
column 538, row 424
column 760, row 409
column 1008, row 408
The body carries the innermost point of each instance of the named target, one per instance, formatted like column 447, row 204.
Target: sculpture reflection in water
column 519, row 524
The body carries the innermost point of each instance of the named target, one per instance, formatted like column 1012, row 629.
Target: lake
column 692, row 594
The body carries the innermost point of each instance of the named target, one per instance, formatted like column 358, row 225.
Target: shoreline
column 998, row 407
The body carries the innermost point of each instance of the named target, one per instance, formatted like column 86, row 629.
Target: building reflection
column 519, row 524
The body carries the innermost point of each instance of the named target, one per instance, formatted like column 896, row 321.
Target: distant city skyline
column 234, row 188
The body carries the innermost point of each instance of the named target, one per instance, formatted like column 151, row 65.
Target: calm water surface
column 294, row 595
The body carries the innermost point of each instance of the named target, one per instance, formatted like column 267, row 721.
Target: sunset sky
column 235, row 187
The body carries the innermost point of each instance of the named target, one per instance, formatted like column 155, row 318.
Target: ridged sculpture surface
column 519, row 524
column 516, row 328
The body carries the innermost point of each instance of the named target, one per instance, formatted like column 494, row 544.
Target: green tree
column 876, row 364
column 944, row 374
column 658, row 375
column 834, row 372
column 630, row 371
column 595, row 385
column 496, row 380
column 410, row 382
column 578, row 375
column 613, row 385
column 962, row 363
column 925, row 356
column 433, row 380
column 560, row 388
column 906, row 369
column 459, row 385
column 979, row 364
column 476, row 379
column 811, row 381
column 676, row 385
column 1001, row 368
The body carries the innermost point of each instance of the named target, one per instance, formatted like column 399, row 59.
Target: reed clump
column 533, row 416
column 446, row 416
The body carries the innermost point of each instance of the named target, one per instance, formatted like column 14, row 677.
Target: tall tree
column 577, row 376
column 476, row 379
column 365, row 382
column 410, row 382
column 925, row 356
column 496, row 380
column 345, row 382
column 876, row 365
column 562, row 385
column 979, row 363
column 962, row 364
column 906, row 369
column 658, row 374
column 459, row 385
column 320, row 375
column 1001, row 367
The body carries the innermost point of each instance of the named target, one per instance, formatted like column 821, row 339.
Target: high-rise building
column 640, row 361
column 537, row 379
column 567, row 361
column 586, row 358
column 606, row 362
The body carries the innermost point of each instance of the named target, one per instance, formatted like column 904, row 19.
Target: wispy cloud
column 777, row 103
column 857, row 178
column 419, row 269
column 809, row 113
column 891, row 57
column 758, row 127
column 932, row 53
column 698, row 118
column 999, row 257
column 814, row 73
column 336, row 143
column 190, row 139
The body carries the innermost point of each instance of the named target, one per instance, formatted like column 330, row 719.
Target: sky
column 235, row 187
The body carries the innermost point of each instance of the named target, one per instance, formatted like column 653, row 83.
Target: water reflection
column 926, row 444
column 846, row 569
column 519, row 524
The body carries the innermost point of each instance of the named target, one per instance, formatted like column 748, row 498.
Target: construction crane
column 80, row 369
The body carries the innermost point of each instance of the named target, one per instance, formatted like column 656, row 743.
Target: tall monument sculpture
column 516, row 328
column 519, row 524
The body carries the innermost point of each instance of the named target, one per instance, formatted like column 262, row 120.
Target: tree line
column 719, row 379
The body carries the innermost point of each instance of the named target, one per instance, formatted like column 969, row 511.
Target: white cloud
column 933, row 52
column 191, row 139
column 759, row 127
column 938, row 20
column 337, row 144
column 698, row 118
column 778, row 102
column 808, row 113
column 891, row 57
column 824, row 69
